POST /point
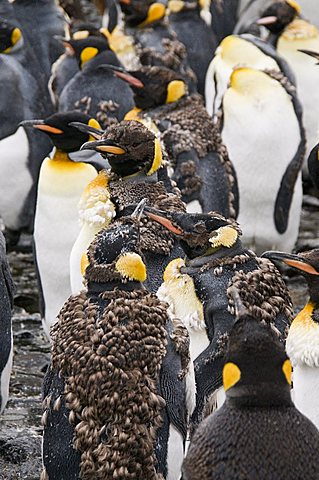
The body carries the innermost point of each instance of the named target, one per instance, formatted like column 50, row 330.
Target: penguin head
column 142, row 12
column 257, row 371
column 177, row 6
column 200, row 234
column 85, row 49
column 307, row 263
column 114, row 254
column 278, row 15
column 130, row 148
column 64, row 136
column 153, row 86
column 10, row 35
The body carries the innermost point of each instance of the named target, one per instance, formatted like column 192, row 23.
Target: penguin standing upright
column 115, row 394
column 258, row 433
column 196, row 290
column 200, row 163
column 62, row 179
column 6, row 304
column 137, row 171
column 302, row 343
column 94, row 90
column 263, row 132
column 195, row 34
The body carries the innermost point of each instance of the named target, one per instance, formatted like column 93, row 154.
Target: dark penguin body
column 41, row 21
column 200, row 163
column 124, row 428
column 94, row 90
column 6, row 304
column 223, row 17
column 313, row 166
column 196, row 290
column 258, row 432
column 136, row 172
column 21, row 152
column 198, row 38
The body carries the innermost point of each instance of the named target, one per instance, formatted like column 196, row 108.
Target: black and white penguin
column 93, row 90
column 63, row 177
column 302, row 343
column 115, row 394
column 7, row 290
column 258, row 433
column 137, row 171
column 196, row 290
column 195, row 34
column 200, row 163
column 264, row 135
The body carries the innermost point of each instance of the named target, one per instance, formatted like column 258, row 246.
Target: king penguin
column 302, row 343
column 115, row 396
column 200, row 163
column 63, row 177
column 263, row 132
column 196, row 289
column 258, row 433
column 7, row 290
column 137, row 170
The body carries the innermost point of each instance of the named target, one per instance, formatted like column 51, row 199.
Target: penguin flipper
column 5, row 271
column 60, row 459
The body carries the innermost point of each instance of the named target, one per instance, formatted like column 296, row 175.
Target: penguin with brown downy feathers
column 93, row 90
column 258, row 432
column 202, row 169
column 196, row 290
column 199, row 39
column 115, row 395
column 137, row 170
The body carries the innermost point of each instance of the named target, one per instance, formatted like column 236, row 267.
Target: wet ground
column 20, row 426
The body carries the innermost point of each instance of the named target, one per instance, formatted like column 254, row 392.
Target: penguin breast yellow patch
column 231, row 375
column 303, row 319
column 131, row 266
column 133, row 114
column 287, row 370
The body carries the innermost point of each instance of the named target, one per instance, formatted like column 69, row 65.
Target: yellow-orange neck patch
column 231, row 375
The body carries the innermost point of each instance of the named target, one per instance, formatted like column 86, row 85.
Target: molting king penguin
column 94, row 90
column 63, row 177
column 6, row 304
column 137, row 171
column 115, row 396
column 195, row 34
column 201, row 167
column 302, row 343
column 263, row 132
column 234, row 51
column 196, row 290
column 258, row 433
column 21, row 152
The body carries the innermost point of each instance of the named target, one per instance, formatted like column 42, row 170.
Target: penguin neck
column 95, row 288
column 60, row 156
column 313, row 286
column 263, row 395
column 107, row 57
column 219, row 254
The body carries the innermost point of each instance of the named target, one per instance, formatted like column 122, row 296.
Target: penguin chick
column 62, row 179
column 263, row 132
column 115, row 395
column 7, row 291
column 196, row 290
column 136, row 171
column 94, row 90
column 202, row 169
column 303, row 337
column 258, row 433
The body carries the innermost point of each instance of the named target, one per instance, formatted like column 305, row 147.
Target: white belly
column 175, row 454
column 5, row 379
column 306, row 391
column 15, row 178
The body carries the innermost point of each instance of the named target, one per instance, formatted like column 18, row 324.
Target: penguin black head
column 130, row 148
column 177, row 6
column 257, row 371
column 142, row 12
column 85, row 49
column 200, row 234
column 9, row 36
column 278, row 15
column 153, row 86
column 114, row 254
column 306, row 262
column 64, row 136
